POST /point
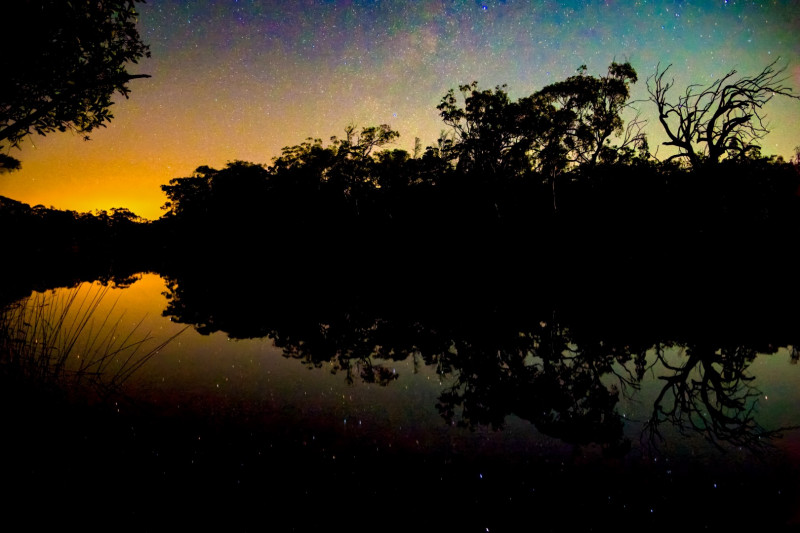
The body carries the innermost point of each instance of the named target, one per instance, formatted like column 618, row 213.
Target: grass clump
column 65, row 339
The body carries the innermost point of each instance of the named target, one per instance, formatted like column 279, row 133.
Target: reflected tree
column 353, row 350
column 566, row 381
column 711, row 394
column 542, row 377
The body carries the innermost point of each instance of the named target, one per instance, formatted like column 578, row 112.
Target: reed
column 63, row 338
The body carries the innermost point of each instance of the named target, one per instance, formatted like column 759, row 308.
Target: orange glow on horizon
column 225, row 88
column 125, row 166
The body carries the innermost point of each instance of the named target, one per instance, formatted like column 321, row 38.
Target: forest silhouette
column 541, row 170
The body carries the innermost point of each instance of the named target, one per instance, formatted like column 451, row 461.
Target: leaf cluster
column 565, row 124
column 75, row 59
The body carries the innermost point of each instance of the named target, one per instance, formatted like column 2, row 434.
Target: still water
column 543, row 428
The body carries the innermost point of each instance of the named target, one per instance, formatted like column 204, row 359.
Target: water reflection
column 541, row 376
column 301, row 397
column 567, row 378
column 74, row 339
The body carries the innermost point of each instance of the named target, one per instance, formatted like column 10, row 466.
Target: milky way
column 239, row 80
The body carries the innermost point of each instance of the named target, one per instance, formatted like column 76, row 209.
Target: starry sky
column 241, row 79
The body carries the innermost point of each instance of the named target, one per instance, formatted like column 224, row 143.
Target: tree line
column 560, row 164
column 569, row 163
column 562, row 161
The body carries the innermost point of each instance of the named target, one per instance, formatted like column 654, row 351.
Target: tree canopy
column 63, row 77
column 566, row 123
column 587, row 112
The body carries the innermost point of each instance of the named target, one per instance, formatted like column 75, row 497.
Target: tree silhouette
column 568, row 122
column 189, row 196
column 589, row 111
column 64, row 76
column 725, row 118
column 361, row 145
column 227, row 203
column 486, row 136
column 564, row 126
column 352, row 169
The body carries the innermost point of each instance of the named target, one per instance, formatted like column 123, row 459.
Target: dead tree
column 725, row 118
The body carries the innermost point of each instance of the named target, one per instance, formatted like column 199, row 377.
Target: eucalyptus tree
column 566, row 124
column 486, row 136
column 586, row 111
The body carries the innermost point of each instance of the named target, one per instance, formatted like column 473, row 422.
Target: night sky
column 241, row 79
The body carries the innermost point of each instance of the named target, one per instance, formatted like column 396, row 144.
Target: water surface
column 376, row 418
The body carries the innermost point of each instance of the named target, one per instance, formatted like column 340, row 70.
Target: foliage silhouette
column 354, row 213
column 487, row 140
column 590, row 109
column 564, row 125
column 74, row 60
column 35, row 232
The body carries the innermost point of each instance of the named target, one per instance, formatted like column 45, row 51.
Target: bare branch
column 725, row 118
